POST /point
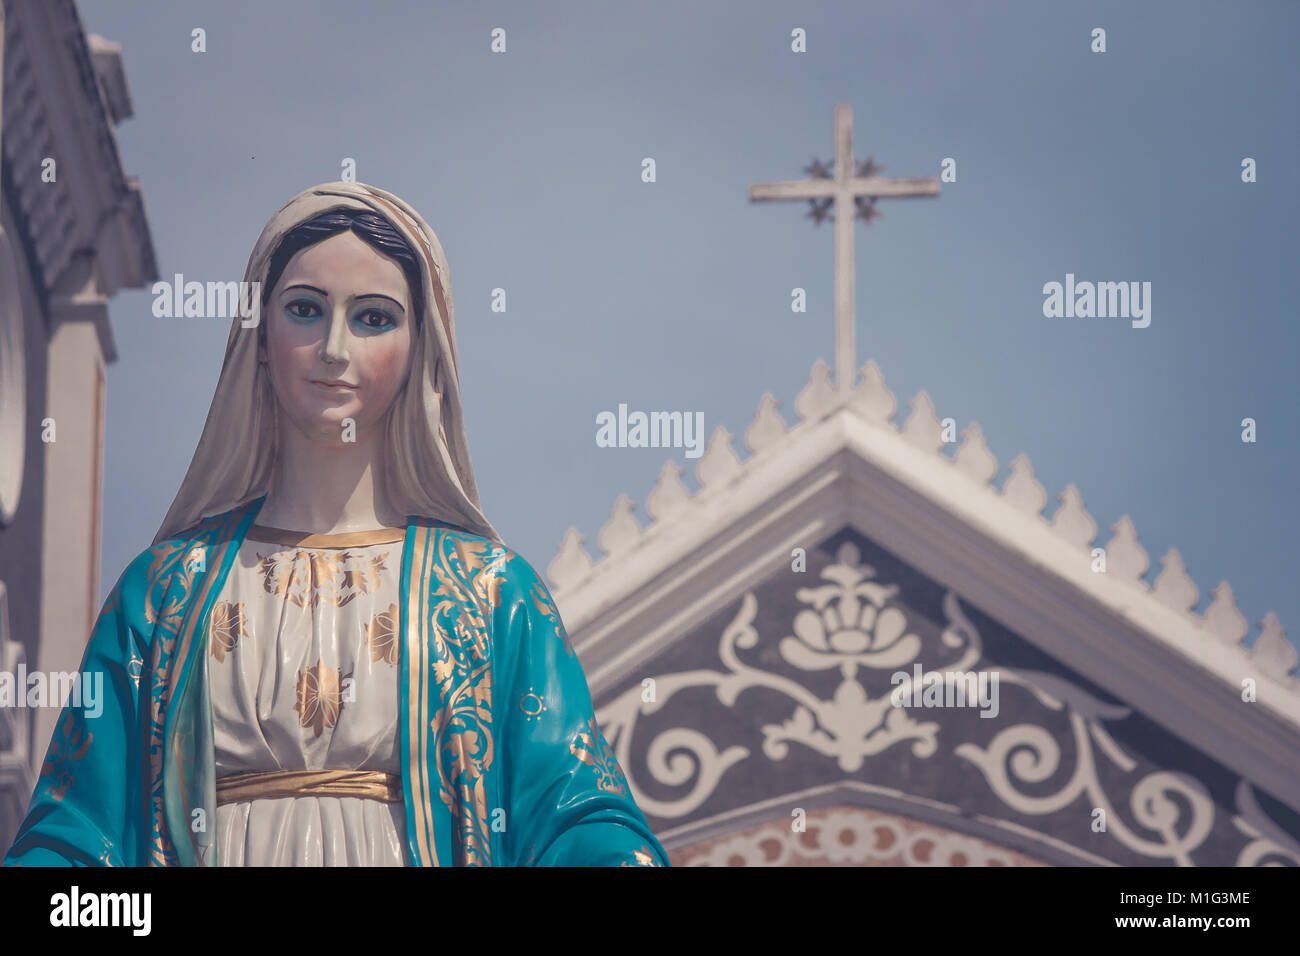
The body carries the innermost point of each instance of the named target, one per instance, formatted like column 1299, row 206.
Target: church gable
column 867, row 701
column 756, row 727
column 1135, row 722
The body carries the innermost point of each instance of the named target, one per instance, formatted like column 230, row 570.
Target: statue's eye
column 303, row 310
column 376, row 320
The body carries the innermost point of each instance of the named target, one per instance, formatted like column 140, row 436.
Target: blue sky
column 1122, row 166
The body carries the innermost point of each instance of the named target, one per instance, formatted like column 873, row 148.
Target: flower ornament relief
column 850, row 624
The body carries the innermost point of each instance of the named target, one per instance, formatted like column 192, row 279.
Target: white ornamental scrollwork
column 1031, row 754
column 850, row 623
column 1267, row 838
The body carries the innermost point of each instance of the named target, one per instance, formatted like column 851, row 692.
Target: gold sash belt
column 268, row 785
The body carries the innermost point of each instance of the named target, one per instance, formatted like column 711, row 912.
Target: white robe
column 303, row 674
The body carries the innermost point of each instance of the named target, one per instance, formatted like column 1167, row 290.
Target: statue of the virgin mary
column 328, row 656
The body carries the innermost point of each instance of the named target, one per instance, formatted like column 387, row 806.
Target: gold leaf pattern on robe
column 484, row 562
column 320, row 696
column 381, row 637
column 175, row 567
column 591, row 749
column 310, row 577
column 544, row 605
column 469, row 575
column 112, row 604
column 69, row 745
column 170, row 581
column 642, row 856
column 229, row 626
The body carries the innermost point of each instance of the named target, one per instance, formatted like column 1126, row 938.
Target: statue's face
column 338, row 337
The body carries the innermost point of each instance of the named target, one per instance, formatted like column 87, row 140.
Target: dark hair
column 377, row 231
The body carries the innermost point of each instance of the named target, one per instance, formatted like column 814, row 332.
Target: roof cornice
column 849, row 464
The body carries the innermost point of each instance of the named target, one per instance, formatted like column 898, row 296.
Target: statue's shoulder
column 186, row 553
column 480, row 574
column 476, row 552
column 487, row 563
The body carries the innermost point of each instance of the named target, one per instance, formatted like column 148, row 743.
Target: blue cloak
column 502, row 760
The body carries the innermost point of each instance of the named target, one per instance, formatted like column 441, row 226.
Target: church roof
column 941, row 513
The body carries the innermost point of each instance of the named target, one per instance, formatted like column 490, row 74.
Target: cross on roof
column 852, row 191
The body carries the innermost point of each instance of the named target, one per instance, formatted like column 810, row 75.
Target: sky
column 1123, row 165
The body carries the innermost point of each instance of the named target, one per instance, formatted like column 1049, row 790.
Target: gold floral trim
column 590, row 747
column 229, row 626
column 642, row 856
column 546, row 607
column 417, row 699
column 320, row 696
column 382, row 637
column 70, row 744
column 469, row 572
column 177, row 586
column 312, row 577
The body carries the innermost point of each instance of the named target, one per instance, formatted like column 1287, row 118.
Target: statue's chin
column 331, row 425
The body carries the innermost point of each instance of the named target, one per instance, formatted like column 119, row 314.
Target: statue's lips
column 334, row 386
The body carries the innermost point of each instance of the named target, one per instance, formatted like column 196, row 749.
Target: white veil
column 427, row 469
